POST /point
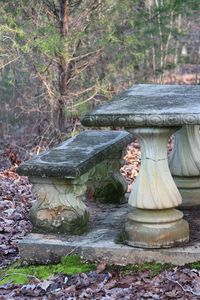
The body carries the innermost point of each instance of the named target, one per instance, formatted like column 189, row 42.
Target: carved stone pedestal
column 59, row 207
column 184, row 164
column 155, row 223
column 106, row 183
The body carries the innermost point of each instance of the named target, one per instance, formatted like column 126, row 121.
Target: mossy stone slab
column 77, row 155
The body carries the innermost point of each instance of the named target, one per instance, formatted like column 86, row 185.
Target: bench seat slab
column 77, row 155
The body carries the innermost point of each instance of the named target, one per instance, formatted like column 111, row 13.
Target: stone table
column 152, row 113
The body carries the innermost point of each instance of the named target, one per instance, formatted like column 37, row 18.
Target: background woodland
column 60, row 58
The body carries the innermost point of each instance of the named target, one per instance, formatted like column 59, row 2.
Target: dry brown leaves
column 15, row 201
column 178, row 283
column 132, row 161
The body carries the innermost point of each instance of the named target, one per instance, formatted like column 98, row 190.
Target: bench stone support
column 154, row 222
column 184, row 163
column 63, row 176
column 59, row 207
column 106, row 183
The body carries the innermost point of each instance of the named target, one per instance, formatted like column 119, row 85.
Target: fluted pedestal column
column 153, row 221
column 184, row 163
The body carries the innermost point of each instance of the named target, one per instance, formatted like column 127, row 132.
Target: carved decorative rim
column 140, row 120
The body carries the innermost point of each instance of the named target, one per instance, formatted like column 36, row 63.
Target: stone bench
column 61, row 178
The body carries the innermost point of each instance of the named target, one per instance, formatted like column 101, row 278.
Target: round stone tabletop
column 147, row 105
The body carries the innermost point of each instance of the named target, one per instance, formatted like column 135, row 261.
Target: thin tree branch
column 8, row 63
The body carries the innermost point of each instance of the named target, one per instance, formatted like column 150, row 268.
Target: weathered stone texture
column 77, row 155
column 152, row 113
column 63, row 176
column 146, row 105
column 102, row 243
column 184, row 164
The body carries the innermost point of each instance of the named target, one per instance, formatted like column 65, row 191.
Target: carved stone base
column 106, row 184
column 59, row 207
column 189, row 187
column 155, row 228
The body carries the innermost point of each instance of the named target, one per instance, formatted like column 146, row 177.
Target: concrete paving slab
column 102, row 243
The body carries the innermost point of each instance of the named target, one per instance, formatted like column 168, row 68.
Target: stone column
column 184, row 164
column 153, row 221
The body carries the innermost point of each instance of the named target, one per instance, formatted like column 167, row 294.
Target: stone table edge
column 140, row 120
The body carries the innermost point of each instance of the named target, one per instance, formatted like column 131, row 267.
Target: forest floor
column 147, row 281
column 150, row 281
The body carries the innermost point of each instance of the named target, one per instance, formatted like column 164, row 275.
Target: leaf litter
column 15, row 202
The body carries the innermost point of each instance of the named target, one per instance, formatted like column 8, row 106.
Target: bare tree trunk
column 168, row 38
column 177, row 42
column 62, row 65
column 197, row 69
column 153, row 48
column 158, row 5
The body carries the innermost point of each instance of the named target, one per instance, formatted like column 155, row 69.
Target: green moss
column 77, row 226
column 195, row 265
column 80, row 225
column 154, row 268
column 121, row 237
column 21, row 275
column 111, row 193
